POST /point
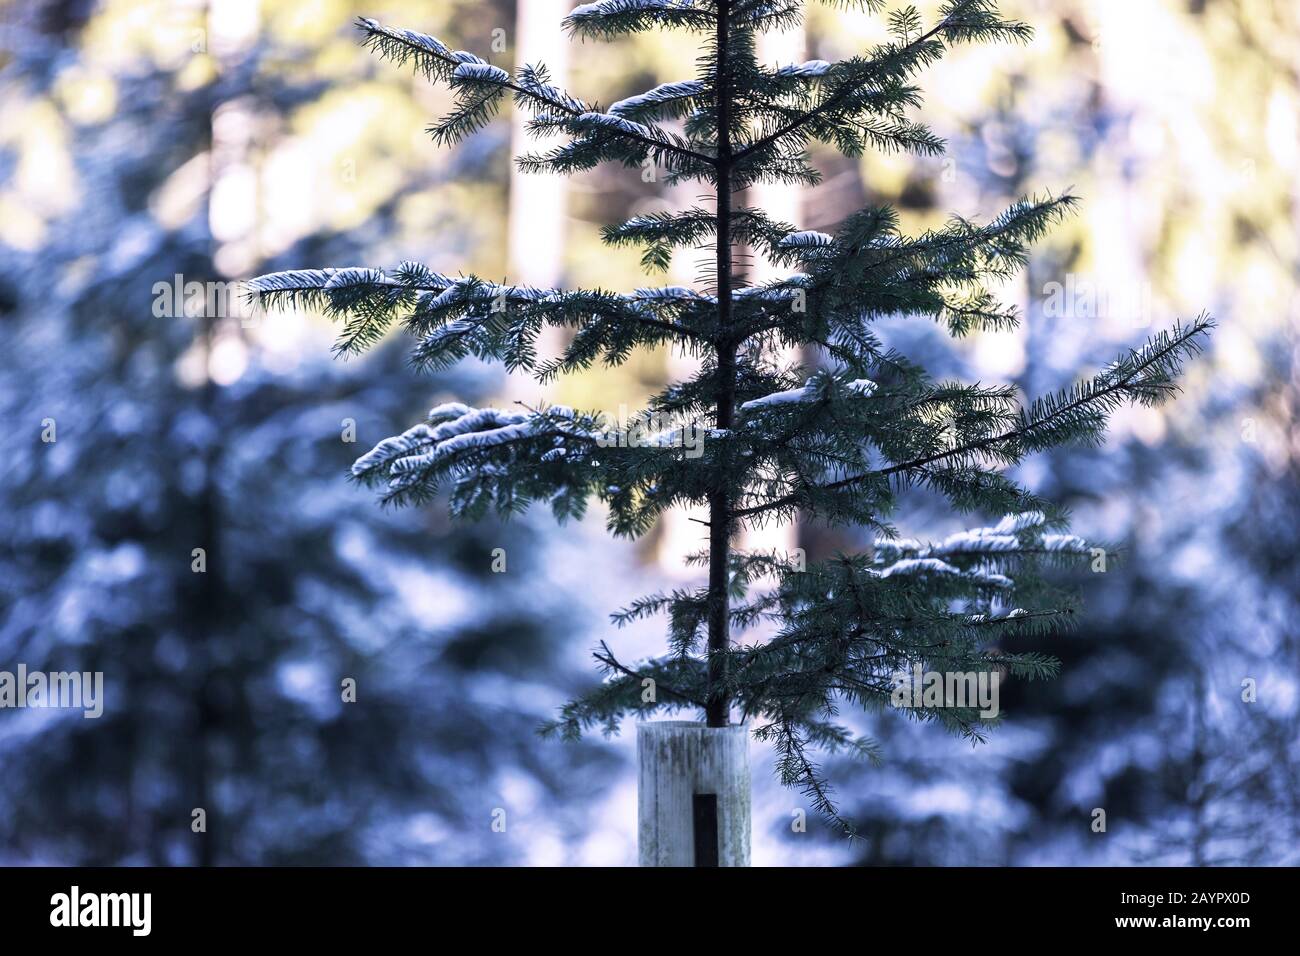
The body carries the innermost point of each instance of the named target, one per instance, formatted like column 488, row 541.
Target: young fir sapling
column 837, row 446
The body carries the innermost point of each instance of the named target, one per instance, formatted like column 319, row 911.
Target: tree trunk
column 718, row 707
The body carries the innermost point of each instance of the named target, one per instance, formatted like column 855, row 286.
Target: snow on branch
column 428, row 54
column 810, row 391
column 805, row 393
column 936, row 566
column 1014, row 535
column 662, row 95
column 604, row 137
column 482, row 72
column 610, row 18
column 809, row 68
column 454, row 429
column 806, row 239
column 610, row 121
column 317, row 280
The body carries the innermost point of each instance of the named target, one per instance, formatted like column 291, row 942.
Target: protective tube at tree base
column 682, row 765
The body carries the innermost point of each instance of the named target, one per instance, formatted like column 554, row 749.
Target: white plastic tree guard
column 692, row 794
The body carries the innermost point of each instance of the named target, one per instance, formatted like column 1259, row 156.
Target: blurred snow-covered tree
column 1147, row 720
column 173, row 432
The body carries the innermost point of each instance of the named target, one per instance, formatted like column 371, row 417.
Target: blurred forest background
column 165, row 141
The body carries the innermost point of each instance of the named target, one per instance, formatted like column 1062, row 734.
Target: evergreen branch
column 606, row 657
column 962, row 19
column 435, row 60
column 371, row 300
column 835, row 99
column 611, row 18
column 1120, row 380
column 795, row 768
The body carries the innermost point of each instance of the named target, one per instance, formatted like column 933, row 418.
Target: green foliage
column 837, row 446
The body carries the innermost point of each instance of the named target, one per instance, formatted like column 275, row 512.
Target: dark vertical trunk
column 718, row 710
